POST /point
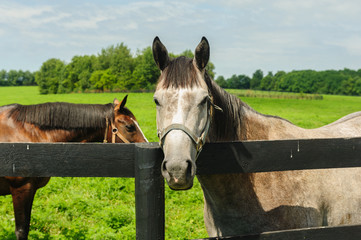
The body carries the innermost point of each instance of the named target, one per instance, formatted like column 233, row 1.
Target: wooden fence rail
column 142, row 162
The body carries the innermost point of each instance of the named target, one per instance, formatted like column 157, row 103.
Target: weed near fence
column 277, row 95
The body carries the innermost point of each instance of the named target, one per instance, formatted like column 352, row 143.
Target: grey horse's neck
column 238, row 121
column 227, row 124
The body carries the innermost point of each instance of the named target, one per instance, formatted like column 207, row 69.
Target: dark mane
column 180, row 73
column 227, row 124
column 61, row 115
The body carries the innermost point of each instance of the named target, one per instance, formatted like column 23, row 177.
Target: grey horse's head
column 183, row 112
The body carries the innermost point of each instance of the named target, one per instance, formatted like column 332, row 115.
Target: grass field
column 103, row 208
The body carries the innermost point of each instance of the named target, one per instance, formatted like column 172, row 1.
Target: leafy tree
column 146, row 73
column 28, row 78
column 245, row 82
column 351, row 86
column 3, row 78
column 49, row 76
column 256, row 79
column 277, row 78
column 238, row 82
column 95, row 80
column 234, row 82
column 357, row 86
column 222, row 82
column 78, row 73
column 267, row 82
column 103, row 80
column 13, row 78
column 120, row 62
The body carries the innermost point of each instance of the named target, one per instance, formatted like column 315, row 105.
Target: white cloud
column 351, row 45
column 14, row 12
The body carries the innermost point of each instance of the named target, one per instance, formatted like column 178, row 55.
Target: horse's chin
column 177, row 187
column 179, row 174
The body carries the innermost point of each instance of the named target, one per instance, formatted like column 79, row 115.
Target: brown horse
column 59, row 122
column 192, row 108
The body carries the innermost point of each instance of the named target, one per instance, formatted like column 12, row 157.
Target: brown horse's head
column 124, row 126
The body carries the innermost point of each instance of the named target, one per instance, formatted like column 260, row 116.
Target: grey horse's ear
column 160, row 54
column 202, row 53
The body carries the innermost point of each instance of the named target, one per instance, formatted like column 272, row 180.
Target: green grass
column 104, row 208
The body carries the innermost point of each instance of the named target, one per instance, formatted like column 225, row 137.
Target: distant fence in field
column 278, row 95
column 142, row 161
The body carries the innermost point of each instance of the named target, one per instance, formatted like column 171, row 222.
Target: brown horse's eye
column 130, row 128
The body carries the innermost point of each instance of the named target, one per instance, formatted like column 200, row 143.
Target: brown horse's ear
column 202, row 53
column 116, row 101
column 124, row 101
column 160, row 54
column 119, row 105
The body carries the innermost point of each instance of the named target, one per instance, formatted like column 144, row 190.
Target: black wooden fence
column 142, row 162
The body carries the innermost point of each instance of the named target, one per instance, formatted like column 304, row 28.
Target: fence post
column 149, row 192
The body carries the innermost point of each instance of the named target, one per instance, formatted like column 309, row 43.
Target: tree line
column 341, row 82
column 116, row 69
column 113, row 69
column 17, row 78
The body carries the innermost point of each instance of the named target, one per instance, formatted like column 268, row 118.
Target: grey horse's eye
column 204, row 101
column 156, row 102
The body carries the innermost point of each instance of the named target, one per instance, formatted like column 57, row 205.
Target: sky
column 244, row 35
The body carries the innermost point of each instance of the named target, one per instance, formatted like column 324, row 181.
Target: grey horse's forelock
column 180, row 73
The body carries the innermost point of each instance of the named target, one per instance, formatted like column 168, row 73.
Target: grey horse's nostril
column 190, row 169
column 164, row 169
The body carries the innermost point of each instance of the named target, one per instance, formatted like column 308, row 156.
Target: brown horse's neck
column 72, row 135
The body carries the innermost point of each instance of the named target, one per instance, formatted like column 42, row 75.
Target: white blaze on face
column 137, row 125
column 181, row 106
